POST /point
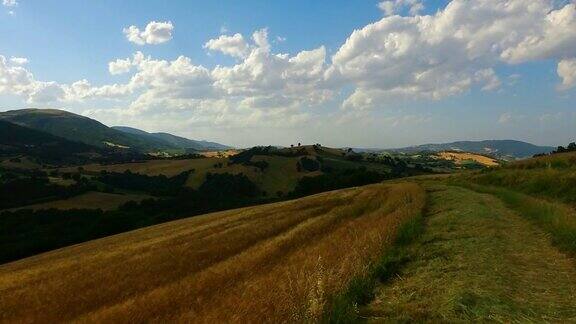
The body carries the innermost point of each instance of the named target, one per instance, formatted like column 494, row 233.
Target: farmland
column 228, row 260
column 470, row 246
column 104, row 201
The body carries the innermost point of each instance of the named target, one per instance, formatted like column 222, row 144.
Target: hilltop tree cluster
column 561, row 149
column 570, row 148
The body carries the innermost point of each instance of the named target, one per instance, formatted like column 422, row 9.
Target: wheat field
column 277, row 263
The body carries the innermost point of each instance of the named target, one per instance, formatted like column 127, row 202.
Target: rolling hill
column 498, row 148
column 227, row 261
column 173, row 140
column 74, row 127
column 89, row 131
column 16, row 139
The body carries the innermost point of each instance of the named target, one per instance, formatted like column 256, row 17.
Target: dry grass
column 24, row 163
column 89, row 200
column 274, row 263
column 554, row 161
column 168, row 168
column 225, row 154
column 462, row 157
column 280, row 175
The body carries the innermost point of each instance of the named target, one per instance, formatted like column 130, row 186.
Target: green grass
column 551, row 177
column 550, row 183
column 555, row 218
column 476, row 261
column 542, row 189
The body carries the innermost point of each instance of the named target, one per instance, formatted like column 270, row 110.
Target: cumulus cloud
column 234, row 45
column 505, row 118
column 413, row 57
column 19, row 60
column 390, row 8
column 567, row 71
column 10, row 3
column 260, row 37
column 447, row 53
column 154, row 33
column 119, row 66
column 15, row 79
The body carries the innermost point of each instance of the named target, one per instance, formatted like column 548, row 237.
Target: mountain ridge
column 497, row 148
column 174, row 140
column 89, row 131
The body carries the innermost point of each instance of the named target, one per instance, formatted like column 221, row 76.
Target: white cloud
column 567, row 71
column 396, row 58
column 14, row 79
column 449, row 52
column 505, row 118
column 548, row 33
column 154, row 33
column 10, row 3
column 260, row 37
column 234, row 45
column 390, row 8
column 19, row 60
column 119, row 66
column 489, row 78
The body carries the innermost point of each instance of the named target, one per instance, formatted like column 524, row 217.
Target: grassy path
column 478, row 261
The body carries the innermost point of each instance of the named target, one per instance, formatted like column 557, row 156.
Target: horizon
column 305, row 144
column 376, row 74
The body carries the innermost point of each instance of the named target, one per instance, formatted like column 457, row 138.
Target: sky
column 376, row 74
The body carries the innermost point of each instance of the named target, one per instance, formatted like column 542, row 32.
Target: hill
column 276, row 171
column 227, row 260
column 461, row 158
column 83, row 129
column 497, row 148
column 17, row 140
column 79, row 128
column 487, row 234
column 173, row 140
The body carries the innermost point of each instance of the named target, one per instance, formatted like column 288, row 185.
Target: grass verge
column 343, row 307
column 558, row 219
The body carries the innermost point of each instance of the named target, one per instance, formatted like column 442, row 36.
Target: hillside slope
column 15, row 139
column 78, row 128
column 498, row 148
column 173, row 140
column 227, row 260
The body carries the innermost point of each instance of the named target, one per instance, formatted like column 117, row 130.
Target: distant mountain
column 89, row 131
column 173, row 140
column 497, row 148
column 142, row 136
column 16, row 139
column 77, row 128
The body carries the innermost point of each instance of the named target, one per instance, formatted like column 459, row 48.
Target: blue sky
column 390, row 84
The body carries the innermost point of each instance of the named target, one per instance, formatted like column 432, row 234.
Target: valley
column 341, row 235
column 330, row 162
